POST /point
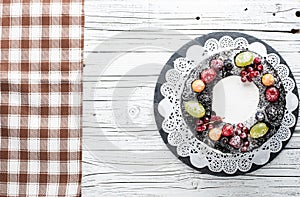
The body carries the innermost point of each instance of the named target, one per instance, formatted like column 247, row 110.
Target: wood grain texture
column 129, row 158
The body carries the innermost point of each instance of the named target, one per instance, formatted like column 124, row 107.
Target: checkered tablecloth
column 40, row 98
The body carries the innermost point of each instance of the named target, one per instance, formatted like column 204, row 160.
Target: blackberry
column 274, row 114
column 205, row 100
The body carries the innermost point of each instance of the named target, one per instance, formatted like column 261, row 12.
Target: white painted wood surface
column 133, row 160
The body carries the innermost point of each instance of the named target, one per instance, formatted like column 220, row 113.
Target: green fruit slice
column 259, row 130
column 244, row 59
column 195, row 109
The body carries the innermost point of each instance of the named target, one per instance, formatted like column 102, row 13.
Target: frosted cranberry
column 227, row 130
column 235, row 141
column 256, row 60
column 272, row 94
column 216, row 64
column 208, row 75
column 256, row 73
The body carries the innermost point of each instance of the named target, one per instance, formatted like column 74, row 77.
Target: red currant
column 256, row 60
column 205, row 119
column 216, row 118
column 252, row 74
column 201, row 128
column 240, row 125
column 243, row 135
column 199, row 122
column 244, row 149
column 243, row 73
column 247, row 143
column 249, row 69
column 249, row 78
column 260, row 67
column 238, row 132
column 243, row 79
column 210, row 126
column 245, row 130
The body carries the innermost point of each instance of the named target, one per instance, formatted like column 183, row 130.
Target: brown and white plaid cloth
column 40, row 97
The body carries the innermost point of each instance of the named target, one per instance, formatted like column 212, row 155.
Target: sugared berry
column 208, row 113
column 272, row 112
column 259, row 116
column 243, row 135
column 259, row 130
column 235, row 141
column 216, row 64
column 249, row 78
column 194, row 108
column 249, row 69
column 245, row 130
column 201, row 128
column 260, row 67
column 224, row 140
column 238, row 132
column 244, row 149
column 243, row 73
column 227, row 130
column 256, row 73
column 268, row 80
column 252, row 74
column 214, row 134
column 240, row 125
column 216, row 118
column 256, row 60
column 246, row 143
column 205, row 119
column 200, row 122
column 272, row 94
column 198, row 85
column 210, row 126
column 208, row 75
column 228, row 64
column 244, row 79
column 244, row 59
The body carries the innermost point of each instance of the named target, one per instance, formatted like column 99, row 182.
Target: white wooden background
column 137, row 162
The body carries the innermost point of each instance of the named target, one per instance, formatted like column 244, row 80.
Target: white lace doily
column 183, row 139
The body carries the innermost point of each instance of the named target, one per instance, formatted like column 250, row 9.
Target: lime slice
column 244, row 59
column 259, row 130
column 195, row 109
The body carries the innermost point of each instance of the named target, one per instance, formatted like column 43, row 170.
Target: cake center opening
column 234, row 100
